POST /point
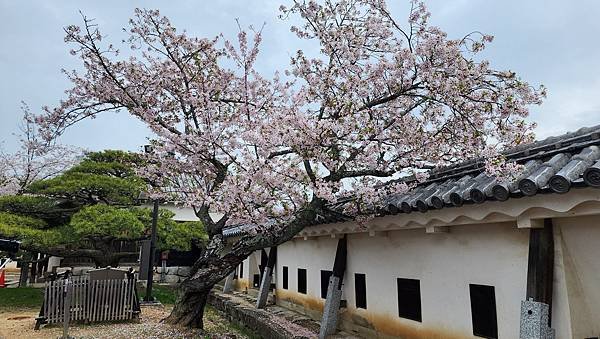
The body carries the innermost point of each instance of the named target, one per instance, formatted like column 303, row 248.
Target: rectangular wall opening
column 302, row 280
column 483, row 311
column 242, row 269
column 256, row 280
column 409, row 299
column 360, row 290
column 285, row 277
column 325, row 282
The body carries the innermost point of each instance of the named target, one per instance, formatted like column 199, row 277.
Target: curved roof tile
column 551, row 165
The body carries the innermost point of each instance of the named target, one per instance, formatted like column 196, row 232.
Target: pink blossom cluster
column 381, row 100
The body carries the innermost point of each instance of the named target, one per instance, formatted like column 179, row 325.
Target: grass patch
column 163, row 293
column 216, row 323
column 22, row 297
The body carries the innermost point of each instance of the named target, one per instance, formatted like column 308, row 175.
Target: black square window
column 409, row 299
column 360, row 290
column 285, row 277
column 242, row 269
column 302, row 280
column 483, row 311
column 325, row 283
column 256, row 280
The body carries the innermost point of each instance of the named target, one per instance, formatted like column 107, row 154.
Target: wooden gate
column 90, row 300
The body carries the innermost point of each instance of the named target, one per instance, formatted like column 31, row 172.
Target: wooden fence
column 90, row 300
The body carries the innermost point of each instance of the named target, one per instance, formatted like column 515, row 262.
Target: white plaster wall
column 244, row 282
column 445, row 263
column 183, row 213
column 314, row 255
column 561, row 313
column 245, row 268
column 251, row 266
column 579, row 244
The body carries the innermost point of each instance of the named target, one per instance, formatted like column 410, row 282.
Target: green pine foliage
column 85, row 209
column 53, row 211
column 30, row 231
column 102, row 177
column 106, row 221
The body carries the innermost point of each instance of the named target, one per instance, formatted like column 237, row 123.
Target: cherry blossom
column 36, row 159
column 380, row 100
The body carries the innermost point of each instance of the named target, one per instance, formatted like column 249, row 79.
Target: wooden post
column 33, row 267
column 267, row 275
column 264, row 258
column 24, row 275
column 149, row 298
column 540, row 267
column 536, row 309
column 334, row 290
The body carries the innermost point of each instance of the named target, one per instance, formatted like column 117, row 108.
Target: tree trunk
column 216, row 263
column 189, row 308
column 24, row 276
column 194, row 290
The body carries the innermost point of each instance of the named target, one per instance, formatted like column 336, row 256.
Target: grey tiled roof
column 233, row 231
column 552, row 165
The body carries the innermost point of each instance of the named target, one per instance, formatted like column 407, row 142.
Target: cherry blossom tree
column 35, row 159
column 377, row 99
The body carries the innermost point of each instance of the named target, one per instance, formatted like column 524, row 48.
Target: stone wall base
column 260, row 321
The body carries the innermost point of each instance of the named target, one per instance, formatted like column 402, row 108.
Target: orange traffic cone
column 2, row 279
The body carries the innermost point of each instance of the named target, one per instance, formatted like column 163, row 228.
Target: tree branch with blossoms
column 34, row 160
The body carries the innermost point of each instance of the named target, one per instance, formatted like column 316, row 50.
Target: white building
column 456, row 257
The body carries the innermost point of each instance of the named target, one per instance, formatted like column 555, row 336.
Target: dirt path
column 18, row 324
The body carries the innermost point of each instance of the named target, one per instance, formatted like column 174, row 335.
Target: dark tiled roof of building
column 235, row 231
column 551, row 165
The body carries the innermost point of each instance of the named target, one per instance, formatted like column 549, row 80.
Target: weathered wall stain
column 366, row 322
column 307, row 301
column 392, row 325
column 241, row 284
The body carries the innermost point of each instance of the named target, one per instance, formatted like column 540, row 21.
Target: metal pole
column 67, row 307
column 148, row 297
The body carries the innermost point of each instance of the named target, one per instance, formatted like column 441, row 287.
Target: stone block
column 534, row 321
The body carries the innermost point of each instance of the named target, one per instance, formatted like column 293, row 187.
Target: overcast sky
column 550, row 42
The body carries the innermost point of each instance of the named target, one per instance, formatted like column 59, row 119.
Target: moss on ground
column 163, row 293
column 21, row 297
column 215, row 323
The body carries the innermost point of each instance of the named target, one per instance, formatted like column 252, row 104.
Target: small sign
column 107, row 273
column 144, row 258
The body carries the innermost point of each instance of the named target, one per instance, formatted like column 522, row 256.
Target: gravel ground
column 19, row 324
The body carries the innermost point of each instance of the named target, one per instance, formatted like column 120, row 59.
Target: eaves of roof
column 552, row 165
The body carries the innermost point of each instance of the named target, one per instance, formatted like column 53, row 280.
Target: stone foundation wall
column 174, row 274
column 256, row 320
